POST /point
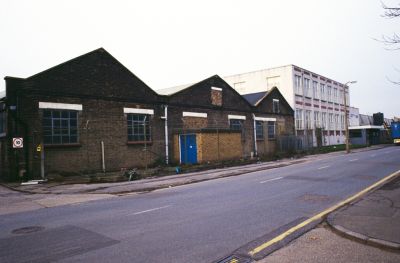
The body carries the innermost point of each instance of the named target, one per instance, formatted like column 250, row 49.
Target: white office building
column 317, row 100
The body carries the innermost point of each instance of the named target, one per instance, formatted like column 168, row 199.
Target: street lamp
column 346, row 116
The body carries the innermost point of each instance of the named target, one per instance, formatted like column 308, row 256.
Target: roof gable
column 199, row 94
column 263, row 101
column 94, row 73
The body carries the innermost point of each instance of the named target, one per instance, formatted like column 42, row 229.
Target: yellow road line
column 321, row 214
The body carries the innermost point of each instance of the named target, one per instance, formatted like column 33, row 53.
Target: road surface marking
column 269, row 180
column 150, row 210
column 353, row 160
column 321, row 214
column 323, row 167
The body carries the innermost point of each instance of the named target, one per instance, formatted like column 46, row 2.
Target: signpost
column 18, row 142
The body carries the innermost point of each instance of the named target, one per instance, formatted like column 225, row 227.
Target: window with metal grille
column 60, row 126
column 271, row 130
column 259, row 130
column 139, row 128
column 236, row 125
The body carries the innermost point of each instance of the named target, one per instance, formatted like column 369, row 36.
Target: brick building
column 92, row 114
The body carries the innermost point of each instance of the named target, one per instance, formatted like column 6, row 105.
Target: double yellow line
column 321, row 215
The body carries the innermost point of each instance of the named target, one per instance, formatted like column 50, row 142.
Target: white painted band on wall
column 139, row 111
column 236, row 117
column 215, row 88
column 264, row 119
column 194, row 114
column 59, row 106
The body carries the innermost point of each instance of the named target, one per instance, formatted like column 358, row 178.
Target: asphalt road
column 200, row 222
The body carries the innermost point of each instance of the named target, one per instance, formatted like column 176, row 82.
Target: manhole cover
column 27, row 230
column 314, row 198
column 235, row 259
column 364, row 177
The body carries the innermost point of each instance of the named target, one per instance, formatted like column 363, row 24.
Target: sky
column 168, row 43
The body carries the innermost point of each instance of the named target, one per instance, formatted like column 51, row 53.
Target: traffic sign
column 18, row 142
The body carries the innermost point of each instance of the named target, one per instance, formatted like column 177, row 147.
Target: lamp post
column 346, row 116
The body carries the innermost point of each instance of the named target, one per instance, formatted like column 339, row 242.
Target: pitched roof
column 172, row 90
column 254, row 98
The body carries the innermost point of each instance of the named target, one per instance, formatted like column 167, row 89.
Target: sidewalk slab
column 375, row 218
column 323, row 245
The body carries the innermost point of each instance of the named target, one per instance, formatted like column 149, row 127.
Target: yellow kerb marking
column 320, row 215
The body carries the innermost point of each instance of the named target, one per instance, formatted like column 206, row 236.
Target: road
column 200, row 222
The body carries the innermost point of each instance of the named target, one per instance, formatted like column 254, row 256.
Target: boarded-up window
column 216, row 96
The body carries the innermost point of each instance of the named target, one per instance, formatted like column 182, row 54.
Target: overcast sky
column 171, row 42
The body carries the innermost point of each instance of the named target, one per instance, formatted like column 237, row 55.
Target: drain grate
column 235, row 259
column 27, row 230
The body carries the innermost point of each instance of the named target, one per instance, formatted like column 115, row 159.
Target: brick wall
column 219, row 146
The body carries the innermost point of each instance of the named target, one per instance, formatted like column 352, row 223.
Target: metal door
column 188, row 148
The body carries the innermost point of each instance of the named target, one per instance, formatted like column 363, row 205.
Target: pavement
column 374, row 219
column 147, row 185
column 150, row 184
column 367, row 230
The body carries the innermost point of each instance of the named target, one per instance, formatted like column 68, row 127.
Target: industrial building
column 318, row 101
column 91, row 114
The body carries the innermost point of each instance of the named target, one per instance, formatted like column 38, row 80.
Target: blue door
column 188, row 148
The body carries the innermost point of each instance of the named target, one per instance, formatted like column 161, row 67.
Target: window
column 271, row 129
column 323, row 120
column 337, row 124
column 299, row 119
column 297, row 85
column 60, row 126
column 308, row 119
column 331, row 123
column 341, row 97
column 355, row 134
column 315, row 90
column 317, row 123
column 335, row 95
column 138, row 127
column 275, row 106
column 307, row 88
column 322, row 93
column 329, row 93
column 342, row 122
column 236, row 125
column 259, row 130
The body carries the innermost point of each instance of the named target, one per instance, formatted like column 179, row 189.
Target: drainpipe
column 166, row 134
column 103, row 162
column 255, row 138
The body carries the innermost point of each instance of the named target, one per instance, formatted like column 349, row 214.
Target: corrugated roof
column 253, row 98
column 366, row 120
column 172, row 90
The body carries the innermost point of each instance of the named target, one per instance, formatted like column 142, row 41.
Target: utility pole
column 346, row 115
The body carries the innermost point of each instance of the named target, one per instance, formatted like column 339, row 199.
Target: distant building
column 370, row 130
column 354, row 116
column 318, row 101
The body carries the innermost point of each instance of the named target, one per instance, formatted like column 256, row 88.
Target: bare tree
column 394, row 40
column 390, row 13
